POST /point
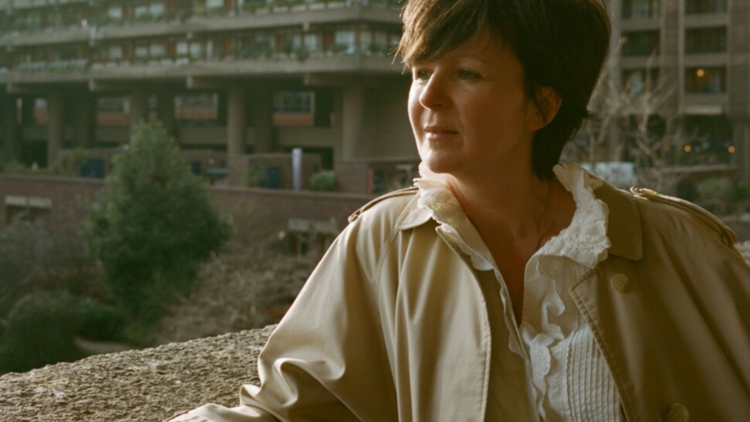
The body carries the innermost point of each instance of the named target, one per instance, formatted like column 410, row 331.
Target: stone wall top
column 135, row 386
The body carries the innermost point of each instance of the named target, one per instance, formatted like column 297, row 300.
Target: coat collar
column 624, row 223
column 623, row 228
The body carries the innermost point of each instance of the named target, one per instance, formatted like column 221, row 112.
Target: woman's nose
column 434, row 94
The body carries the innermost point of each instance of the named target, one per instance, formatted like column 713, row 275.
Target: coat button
column 675, row 412
column 620, row 282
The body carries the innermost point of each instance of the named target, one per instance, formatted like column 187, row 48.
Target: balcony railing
column 21, row 22
column 239, row 55
column 55, row 66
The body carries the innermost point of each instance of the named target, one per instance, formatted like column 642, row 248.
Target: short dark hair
column 561, row 44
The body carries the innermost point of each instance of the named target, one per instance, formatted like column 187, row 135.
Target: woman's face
column 469, row 110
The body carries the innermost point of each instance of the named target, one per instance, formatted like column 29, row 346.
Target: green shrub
column 40, row 331
column 16, row 167
column 99, row 321
column 323, row 181
column 256, row 177
column 153, row 223
column 33, row 256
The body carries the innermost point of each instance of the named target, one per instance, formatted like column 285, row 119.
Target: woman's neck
column 512, row 204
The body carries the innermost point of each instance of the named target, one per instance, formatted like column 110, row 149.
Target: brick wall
column 68, row 198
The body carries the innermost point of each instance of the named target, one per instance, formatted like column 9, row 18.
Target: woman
column 506, row 287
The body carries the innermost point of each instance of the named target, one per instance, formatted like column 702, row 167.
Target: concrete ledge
column 136, row 386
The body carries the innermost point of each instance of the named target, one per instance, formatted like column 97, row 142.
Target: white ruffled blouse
column 566, row 377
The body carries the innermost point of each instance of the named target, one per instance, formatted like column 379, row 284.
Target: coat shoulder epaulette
column 716, row 226
column 396, row 193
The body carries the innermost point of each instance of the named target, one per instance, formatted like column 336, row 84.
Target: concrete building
column 234, row 77
column 701, row 48
column 230, row 78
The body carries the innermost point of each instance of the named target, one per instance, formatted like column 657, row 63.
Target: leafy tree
column 152, row 224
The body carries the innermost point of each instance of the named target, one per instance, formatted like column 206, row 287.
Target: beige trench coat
column 393, row 326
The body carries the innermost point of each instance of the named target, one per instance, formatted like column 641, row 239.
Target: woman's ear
column 544, row 110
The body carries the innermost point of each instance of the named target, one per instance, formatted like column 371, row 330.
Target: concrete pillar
column 352, row 116
column 9, row 113
column 262, row 109
column 672, row 41
column 221, row 118
column 83, row 120
column 55, row 127
column 236, row 121
column 165, row 112
column 741, row 141
column 138, row 107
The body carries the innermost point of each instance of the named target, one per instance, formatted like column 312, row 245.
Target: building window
column 381, row 39
column 344, row 41
column 640, row 43
column 294, row 108
column 196, row 50
column 112, row 111
column 141, row 11
column 141, row 52
column 640, row 9
column 706, row 40
column 197, row 109
column 115, row 13
column 214, row 4
column 311, row 42
column 26, row 208
column 694, row 7
column 158, row 50
column 296, row 42
column 157, row 9
column 710, row 137
column 256, row 45
column 115, row 52
column 365, row 38
column 705, row 80
column 182, row 49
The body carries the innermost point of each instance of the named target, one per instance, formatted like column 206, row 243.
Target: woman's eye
column 467, row 74
column 421, row 74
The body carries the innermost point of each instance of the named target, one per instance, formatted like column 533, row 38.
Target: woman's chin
column 431, row 171
column 438, row 162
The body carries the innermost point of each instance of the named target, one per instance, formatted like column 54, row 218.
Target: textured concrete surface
column 135, row 386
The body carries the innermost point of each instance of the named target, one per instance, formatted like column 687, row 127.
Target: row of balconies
column 30, row 20
column 66, row 71
column 198, row 25
column 241, row 4
column 651, row 9
column 83, row 64
column 20, row 4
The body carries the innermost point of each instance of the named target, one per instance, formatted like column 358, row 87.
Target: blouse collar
column 585, row 241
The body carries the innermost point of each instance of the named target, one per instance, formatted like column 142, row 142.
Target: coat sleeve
column 326, row 361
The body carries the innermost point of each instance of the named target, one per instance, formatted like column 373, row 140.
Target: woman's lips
column 439, row 134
